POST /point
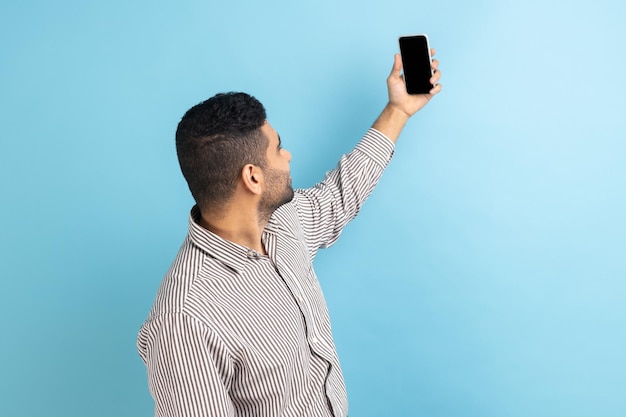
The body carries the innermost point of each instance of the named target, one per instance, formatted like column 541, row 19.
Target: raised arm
column 325, row 209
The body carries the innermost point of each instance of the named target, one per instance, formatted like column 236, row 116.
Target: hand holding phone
column 416, row 63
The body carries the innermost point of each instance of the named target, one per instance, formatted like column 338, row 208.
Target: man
column 239, row 326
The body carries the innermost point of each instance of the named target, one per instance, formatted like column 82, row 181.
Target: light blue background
column 484, row 277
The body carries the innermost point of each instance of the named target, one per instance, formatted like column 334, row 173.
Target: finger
column 435, row 90
column 432, row 52
column 435, row 78
column 397, row 66
column 435, row 64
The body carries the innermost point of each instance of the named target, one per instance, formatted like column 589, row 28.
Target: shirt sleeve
column 326, row 208
column 188, row 367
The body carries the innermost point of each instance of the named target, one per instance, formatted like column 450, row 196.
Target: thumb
column 397, row 66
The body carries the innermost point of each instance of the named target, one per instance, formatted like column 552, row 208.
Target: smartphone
column 416, row 61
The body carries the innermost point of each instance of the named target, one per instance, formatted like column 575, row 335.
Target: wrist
column 391, row 121
column 397, row 111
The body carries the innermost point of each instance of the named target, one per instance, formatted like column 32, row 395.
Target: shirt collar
column 229, row 253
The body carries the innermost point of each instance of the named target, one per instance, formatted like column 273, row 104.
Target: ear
column 252, row 178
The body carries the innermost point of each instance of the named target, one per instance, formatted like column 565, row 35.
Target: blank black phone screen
column 416, row 64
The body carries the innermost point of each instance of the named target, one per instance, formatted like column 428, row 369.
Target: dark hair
column 215, row 139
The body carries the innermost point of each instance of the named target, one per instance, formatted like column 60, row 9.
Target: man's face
column 278, row 189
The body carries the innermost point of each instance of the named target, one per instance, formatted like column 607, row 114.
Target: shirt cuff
column 377, row 146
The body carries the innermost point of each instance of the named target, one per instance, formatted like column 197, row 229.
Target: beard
column 279, row 191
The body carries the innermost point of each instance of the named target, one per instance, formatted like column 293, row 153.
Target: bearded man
column 239, row 326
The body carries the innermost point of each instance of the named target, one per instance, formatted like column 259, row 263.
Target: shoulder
column 187, row 282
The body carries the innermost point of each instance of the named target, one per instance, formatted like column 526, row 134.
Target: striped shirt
column 236, row 333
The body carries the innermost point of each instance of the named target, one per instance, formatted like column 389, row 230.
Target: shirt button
column 300, row 299
column 251, row 253
column 314, row 340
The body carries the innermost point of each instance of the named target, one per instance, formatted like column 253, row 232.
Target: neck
column 237, row 226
